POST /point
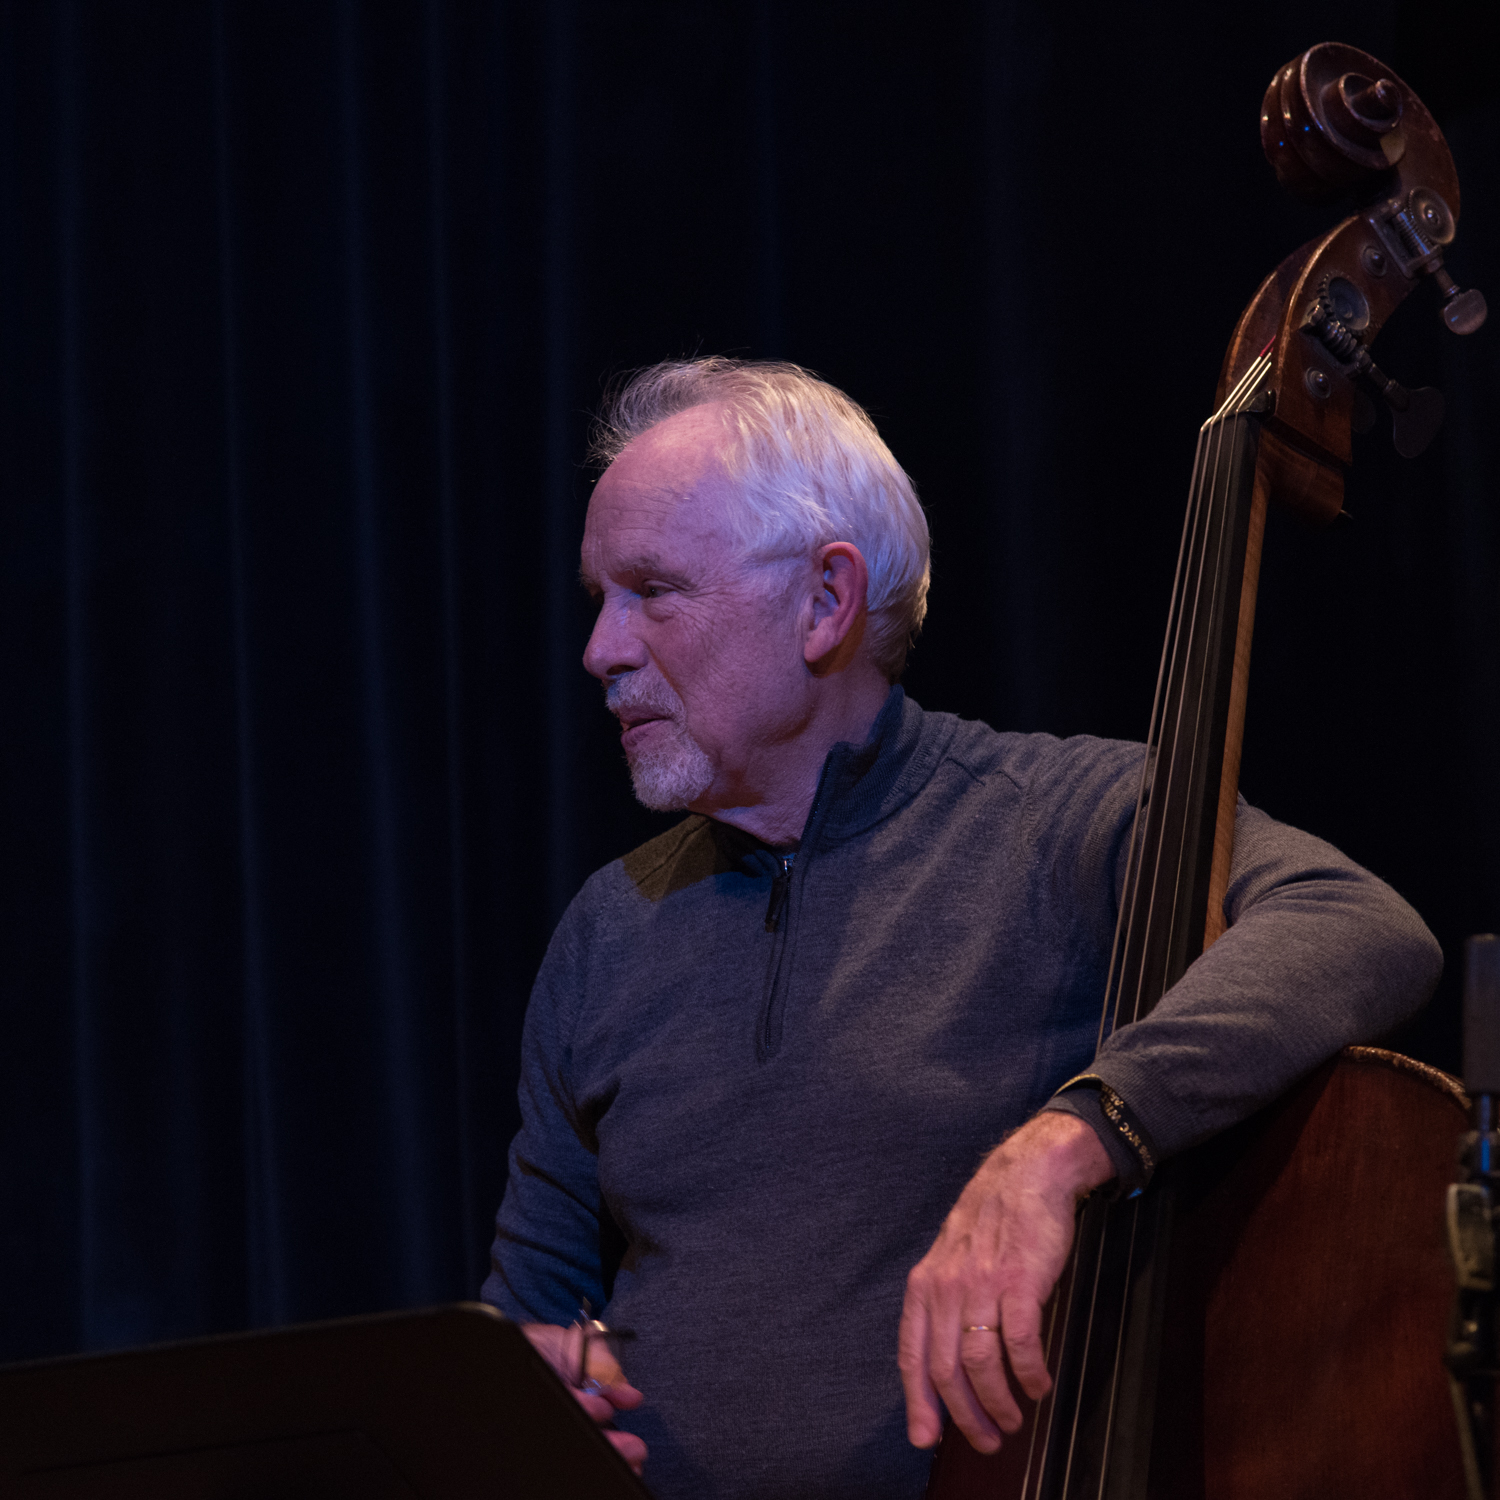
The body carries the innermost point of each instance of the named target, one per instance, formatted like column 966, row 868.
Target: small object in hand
column 589, row 1328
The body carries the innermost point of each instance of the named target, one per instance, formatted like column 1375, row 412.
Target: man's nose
column 613, row 648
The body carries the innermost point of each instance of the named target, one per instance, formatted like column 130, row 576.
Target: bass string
column 1190, row 727
column 1059, row 1310
column 1192, row 557
column 1164, row 766
column 1123, row 929
column 1213, row 621
column 1217, row 526
column 1175, row 778
column 1216, row 534
column 1130, row 892
column 1114, row 1377
column 1061, row 1313
column 1058, row 1325
column 1209, row 440
column 1188, row 556
column 1158, row 782
column 1138, row 822
column 1182, row 618
column 1088, row 1336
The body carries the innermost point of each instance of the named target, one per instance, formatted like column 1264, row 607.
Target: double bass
column 1267, row 1318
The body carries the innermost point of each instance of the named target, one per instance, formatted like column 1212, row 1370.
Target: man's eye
column 652, row 591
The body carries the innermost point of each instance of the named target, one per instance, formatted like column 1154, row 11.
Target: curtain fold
column 304, row 306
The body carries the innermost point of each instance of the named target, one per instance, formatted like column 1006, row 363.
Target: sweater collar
column 861, row 784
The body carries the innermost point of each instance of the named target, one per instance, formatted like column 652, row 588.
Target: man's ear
column 839, row 607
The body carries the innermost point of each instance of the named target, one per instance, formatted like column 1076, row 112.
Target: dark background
column 303, row 307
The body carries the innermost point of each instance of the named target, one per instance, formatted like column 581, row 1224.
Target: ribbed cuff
column 1130, row 1149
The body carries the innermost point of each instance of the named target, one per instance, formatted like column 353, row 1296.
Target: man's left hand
column 987, row 1278
column 605, row 1389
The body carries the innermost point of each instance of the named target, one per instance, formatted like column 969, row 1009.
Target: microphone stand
column 1473, row 1353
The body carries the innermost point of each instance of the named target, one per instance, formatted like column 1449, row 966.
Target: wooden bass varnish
column 1266, row 1321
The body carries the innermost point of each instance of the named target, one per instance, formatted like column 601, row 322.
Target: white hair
column 810, row 469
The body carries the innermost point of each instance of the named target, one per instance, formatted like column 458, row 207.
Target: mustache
column 637, row 696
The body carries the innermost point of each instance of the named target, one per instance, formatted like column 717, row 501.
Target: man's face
column 700, row 651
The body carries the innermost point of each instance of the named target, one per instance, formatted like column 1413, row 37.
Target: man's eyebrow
column 643, row 562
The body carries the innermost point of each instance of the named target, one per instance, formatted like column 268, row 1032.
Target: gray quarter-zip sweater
column 748, row 1102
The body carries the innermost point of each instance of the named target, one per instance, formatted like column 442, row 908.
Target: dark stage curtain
column 303, row 307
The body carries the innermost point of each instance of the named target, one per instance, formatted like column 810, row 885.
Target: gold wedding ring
column 979, row 1328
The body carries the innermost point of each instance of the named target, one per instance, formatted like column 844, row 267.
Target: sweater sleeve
column 546, row 1258
column 1319, row 954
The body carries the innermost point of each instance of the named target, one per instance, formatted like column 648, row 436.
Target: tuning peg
column 1415, row 415
column 1416, row 419
column 1461, row 311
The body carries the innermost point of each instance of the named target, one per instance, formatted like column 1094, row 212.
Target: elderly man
column 770, row 1053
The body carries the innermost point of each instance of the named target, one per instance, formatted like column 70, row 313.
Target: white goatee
column 675, row 771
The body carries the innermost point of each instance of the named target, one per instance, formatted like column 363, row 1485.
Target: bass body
column 1267, row 1318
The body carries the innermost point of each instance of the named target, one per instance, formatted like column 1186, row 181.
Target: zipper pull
column 780, row 887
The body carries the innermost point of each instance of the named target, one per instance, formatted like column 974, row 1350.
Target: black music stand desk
column 445, row 1403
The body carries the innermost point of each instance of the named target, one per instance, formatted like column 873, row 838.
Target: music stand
column 437, row 1404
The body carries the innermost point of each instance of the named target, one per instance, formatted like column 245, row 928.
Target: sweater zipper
column 779, row 917
column 780, row 886
column 778, row 920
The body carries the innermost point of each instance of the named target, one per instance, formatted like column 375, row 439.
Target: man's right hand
column 606, row 1389
column 986, row 1279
